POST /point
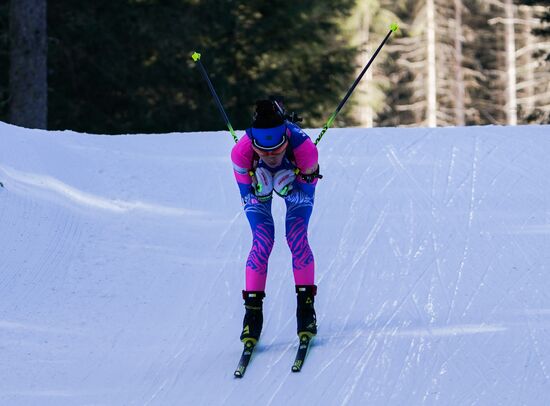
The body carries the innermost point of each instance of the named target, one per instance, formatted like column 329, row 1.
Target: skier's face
column 273, row 160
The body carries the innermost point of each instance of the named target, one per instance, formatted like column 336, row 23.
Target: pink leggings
column 299, row 206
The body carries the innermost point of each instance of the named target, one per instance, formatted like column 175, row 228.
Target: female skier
column 275, row 155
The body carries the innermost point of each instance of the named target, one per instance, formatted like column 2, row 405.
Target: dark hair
column 266, row 115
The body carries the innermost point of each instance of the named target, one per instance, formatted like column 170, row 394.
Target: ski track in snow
column 121, row 271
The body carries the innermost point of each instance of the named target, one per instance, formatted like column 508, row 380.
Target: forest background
column 124, row 66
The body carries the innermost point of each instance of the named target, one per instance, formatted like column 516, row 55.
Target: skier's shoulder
column 297, row 135
column 294, row 128
column 242, row 151
column 247, row 134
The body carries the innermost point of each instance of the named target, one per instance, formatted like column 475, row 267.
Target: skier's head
column 269, row 133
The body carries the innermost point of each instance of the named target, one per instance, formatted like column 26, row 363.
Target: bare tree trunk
column 366, row 113
column 528, row 64
column 510, row 38
column 432, row 84
column 459, row 74
column 28, row 64
column 359, row 26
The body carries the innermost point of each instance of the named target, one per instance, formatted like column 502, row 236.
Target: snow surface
column 122, row 264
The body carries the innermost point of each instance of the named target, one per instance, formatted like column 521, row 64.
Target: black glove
column 309, row 178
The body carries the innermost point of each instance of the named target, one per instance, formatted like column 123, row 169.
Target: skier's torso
column 302, row 155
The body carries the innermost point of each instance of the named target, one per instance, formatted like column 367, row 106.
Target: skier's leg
column 299, row 207
column 263, row 237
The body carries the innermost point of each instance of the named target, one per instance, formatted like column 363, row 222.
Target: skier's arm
column 242, row 155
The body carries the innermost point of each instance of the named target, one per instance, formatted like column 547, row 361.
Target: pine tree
column 400, row 69
column 522, row 82
column 4, row 59
column 419, row 64
column 297, row 49
column 534, row 54
column 125, row 66
column 368, row 25
column 28, row 90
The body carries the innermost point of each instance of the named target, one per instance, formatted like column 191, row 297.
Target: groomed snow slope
column 122, row 258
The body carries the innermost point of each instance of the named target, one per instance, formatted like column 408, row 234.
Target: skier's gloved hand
column 311, row 177
column 282, row 181
column 263, row 184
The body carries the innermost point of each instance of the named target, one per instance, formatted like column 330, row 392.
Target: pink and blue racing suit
column 299, row 204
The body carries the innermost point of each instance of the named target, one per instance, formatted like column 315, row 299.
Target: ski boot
column 305, row 312
column 253, row 318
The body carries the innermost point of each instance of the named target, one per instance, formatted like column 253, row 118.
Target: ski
column 303, row 347
column 245, row 358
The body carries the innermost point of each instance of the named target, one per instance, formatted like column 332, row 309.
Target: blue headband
column 269, row 139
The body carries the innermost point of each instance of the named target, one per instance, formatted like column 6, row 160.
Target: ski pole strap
column 309, row 178
column 331, row 119
column 197, row 58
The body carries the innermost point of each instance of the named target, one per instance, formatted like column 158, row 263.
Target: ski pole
column 197, row 58
column 331, row 119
